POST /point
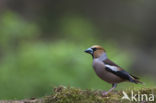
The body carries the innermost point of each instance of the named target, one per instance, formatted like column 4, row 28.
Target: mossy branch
column 75, row 95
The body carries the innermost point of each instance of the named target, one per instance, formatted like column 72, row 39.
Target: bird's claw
column 104, row 94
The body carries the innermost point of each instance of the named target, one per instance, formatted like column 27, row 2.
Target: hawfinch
column 107, row 70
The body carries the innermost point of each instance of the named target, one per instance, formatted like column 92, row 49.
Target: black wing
column 122, row 74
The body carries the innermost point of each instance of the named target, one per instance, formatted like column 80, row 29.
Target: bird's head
column 96, row 51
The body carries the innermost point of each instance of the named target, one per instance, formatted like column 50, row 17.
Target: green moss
column 75, row 95
column 63, row 94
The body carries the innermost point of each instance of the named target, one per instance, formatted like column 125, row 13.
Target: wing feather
column 115, row 69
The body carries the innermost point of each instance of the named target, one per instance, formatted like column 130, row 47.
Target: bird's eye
column 94, row 49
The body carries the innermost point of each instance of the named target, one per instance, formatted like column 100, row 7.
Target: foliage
column 14, row 29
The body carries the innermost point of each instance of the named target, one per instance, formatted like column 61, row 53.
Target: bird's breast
column 99, row 68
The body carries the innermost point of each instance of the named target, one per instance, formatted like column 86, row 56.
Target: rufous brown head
column 95, row 50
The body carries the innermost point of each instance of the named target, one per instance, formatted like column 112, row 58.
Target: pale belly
column 105, row 75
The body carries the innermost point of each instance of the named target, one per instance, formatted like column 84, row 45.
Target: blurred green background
column 42, row 43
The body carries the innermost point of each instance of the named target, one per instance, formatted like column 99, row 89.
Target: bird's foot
column 104, row 93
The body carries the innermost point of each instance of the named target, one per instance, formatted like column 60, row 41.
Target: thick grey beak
column 89, row 50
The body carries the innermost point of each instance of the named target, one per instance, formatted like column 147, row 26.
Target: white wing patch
column 113, row 68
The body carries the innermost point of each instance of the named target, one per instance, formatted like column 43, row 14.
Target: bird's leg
column 113, row 87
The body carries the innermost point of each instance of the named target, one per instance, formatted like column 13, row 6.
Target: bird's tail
column 137, row 81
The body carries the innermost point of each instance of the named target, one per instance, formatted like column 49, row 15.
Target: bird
column 108, row 70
